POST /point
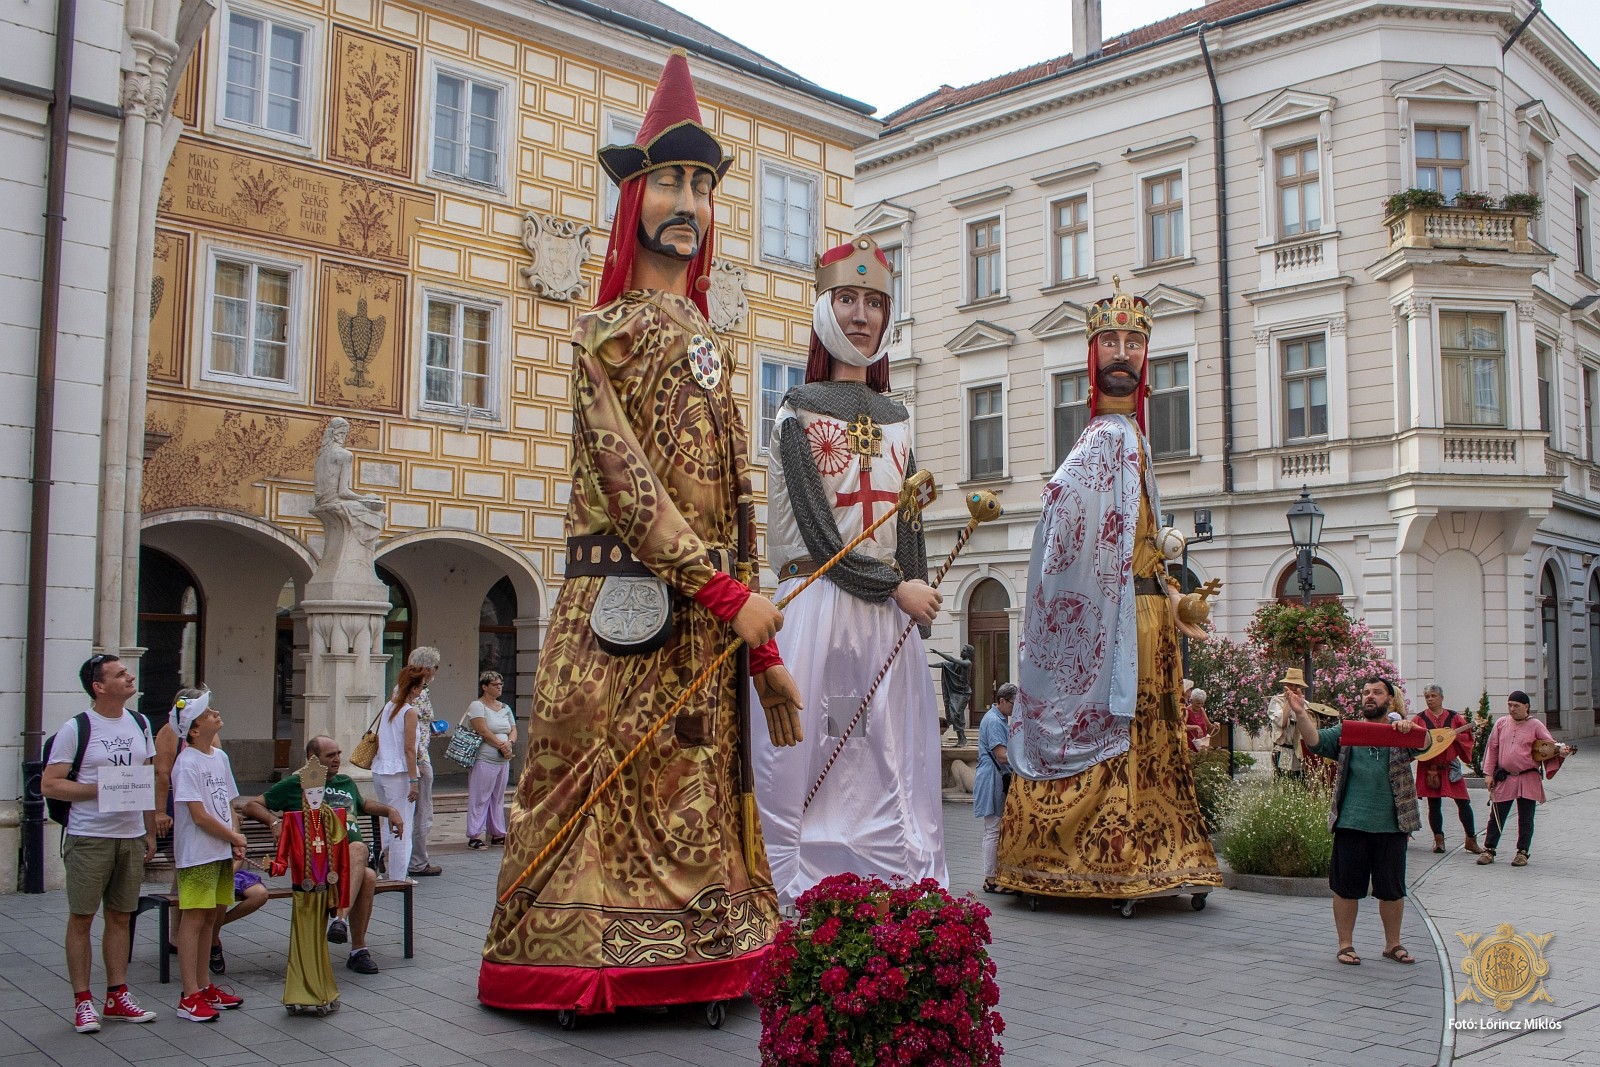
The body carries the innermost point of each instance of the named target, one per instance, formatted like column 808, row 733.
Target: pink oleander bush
column 880, row 975
column 1240, row 676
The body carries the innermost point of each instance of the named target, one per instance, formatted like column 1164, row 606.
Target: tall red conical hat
column 673, row 132
column 671, row 135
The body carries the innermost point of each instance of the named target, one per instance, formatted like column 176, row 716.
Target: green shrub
column 1529, row 202
column 1412, row 198
column 1212, row 784
column 1279, row 827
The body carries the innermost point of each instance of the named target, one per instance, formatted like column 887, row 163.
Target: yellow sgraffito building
column 392, row 212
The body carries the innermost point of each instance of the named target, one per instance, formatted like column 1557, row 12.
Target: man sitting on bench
column 340, row 792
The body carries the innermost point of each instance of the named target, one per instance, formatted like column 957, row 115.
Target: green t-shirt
column 1368, row 802
column 340, row 792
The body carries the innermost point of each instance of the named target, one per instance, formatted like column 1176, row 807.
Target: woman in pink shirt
column 1509, row 765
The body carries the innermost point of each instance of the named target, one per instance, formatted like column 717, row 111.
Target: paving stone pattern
column 1249, row 980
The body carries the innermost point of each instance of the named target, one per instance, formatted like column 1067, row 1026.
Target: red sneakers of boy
column 121, row 1005
column 197, row 1009
column 85, row 1019
column 220, row 998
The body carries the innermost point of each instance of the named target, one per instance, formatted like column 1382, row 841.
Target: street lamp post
column 1305, row 530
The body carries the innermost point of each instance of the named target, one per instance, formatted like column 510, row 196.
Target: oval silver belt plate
column 632, row 614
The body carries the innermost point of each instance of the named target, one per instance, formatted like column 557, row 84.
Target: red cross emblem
column 866, row 496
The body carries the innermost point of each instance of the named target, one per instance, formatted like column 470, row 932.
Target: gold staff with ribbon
column 981, row 507
column 915, row 495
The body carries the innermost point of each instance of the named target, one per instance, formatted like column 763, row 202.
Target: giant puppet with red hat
column 1102, row 802
column 630, row 876
column 841, row 454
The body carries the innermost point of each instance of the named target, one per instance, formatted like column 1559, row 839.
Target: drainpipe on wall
column 44, row 426
column 1224, row 293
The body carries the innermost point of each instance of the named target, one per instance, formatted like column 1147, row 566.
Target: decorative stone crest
column 726, row 300
column 559, row 248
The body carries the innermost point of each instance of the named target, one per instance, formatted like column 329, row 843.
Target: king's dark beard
column 1110, row 383
column 654, row 243
column 1373, row 714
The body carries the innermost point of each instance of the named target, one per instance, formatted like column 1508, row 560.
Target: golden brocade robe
column 1129, row 826
column 648, row 900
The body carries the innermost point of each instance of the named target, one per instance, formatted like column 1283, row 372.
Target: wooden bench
column 259, row 840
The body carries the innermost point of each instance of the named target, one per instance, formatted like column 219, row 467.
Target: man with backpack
column 104, row 851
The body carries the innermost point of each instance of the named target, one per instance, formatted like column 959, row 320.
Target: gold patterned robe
column 1129, row 826
column 648, row 900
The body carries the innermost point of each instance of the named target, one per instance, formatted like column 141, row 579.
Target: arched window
column 497, row 637
column 1550, row 644
column 396, row 630
column 989, row 633
column 1594, row 646
column 170, row 631
column 1325, row 584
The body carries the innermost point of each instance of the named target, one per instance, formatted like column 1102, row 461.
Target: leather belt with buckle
column 603, row 555
column 797, row 568
column 1146, row 587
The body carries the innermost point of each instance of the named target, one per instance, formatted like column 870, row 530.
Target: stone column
column 344, row 662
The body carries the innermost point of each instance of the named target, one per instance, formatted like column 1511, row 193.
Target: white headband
column 825, row 324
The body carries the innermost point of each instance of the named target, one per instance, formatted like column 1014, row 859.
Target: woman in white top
column 394, row 768
column 486, row 782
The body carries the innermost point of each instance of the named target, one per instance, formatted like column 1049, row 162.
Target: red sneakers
column 121, row 1005
column 85, row 1019
column 197, row 1009
column 220, row 998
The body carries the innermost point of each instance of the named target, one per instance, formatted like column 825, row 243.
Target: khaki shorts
column 205, row 885
column 103, row 870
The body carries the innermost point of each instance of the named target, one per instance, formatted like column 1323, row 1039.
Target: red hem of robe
column 595, row 990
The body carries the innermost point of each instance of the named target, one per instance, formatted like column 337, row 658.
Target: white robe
column 879, row 811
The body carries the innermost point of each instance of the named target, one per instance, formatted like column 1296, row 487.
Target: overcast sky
column 890, row 52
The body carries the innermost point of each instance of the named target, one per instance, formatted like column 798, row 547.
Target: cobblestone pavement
column 1555, row 894
column 1249, row 980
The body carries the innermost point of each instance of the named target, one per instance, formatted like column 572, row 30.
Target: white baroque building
column 1432, row 376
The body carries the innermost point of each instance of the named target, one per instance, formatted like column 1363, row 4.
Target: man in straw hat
column 649, row 900
column 842, row 451
column 1286, row 757
column 1103, row 803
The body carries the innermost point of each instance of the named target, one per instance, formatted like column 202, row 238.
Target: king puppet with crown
column 1103, row 801
column 631, row 875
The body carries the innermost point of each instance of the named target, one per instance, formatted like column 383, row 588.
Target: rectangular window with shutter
column 466, row 129
column 251, row 309
column 1305, row 387
column 1168, row 414
column 264, row 76
column 1472, row 356
column 458, row 356
column 1071, row 411
column 986, row 443
column 985, row 264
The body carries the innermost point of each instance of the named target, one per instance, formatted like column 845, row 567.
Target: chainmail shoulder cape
column 857, row 574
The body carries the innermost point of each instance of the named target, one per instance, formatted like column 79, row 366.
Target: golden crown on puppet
column 1119, row 311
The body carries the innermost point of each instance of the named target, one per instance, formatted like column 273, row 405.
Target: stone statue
column 351, row 522
column 957, row 689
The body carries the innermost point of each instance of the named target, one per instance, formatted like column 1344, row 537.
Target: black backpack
column 61, row 810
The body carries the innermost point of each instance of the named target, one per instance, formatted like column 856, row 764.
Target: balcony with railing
column 1471, row 229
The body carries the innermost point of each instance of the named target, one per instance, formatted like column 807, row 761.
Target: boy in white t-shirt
column 205, row 842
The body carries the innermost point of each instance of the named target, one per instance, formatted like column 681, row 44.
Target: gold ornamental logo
column 1505, row 967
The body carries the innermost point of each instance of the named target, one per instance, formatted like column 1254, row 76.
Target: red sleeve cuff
column 765, row 657
column 722, row 596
